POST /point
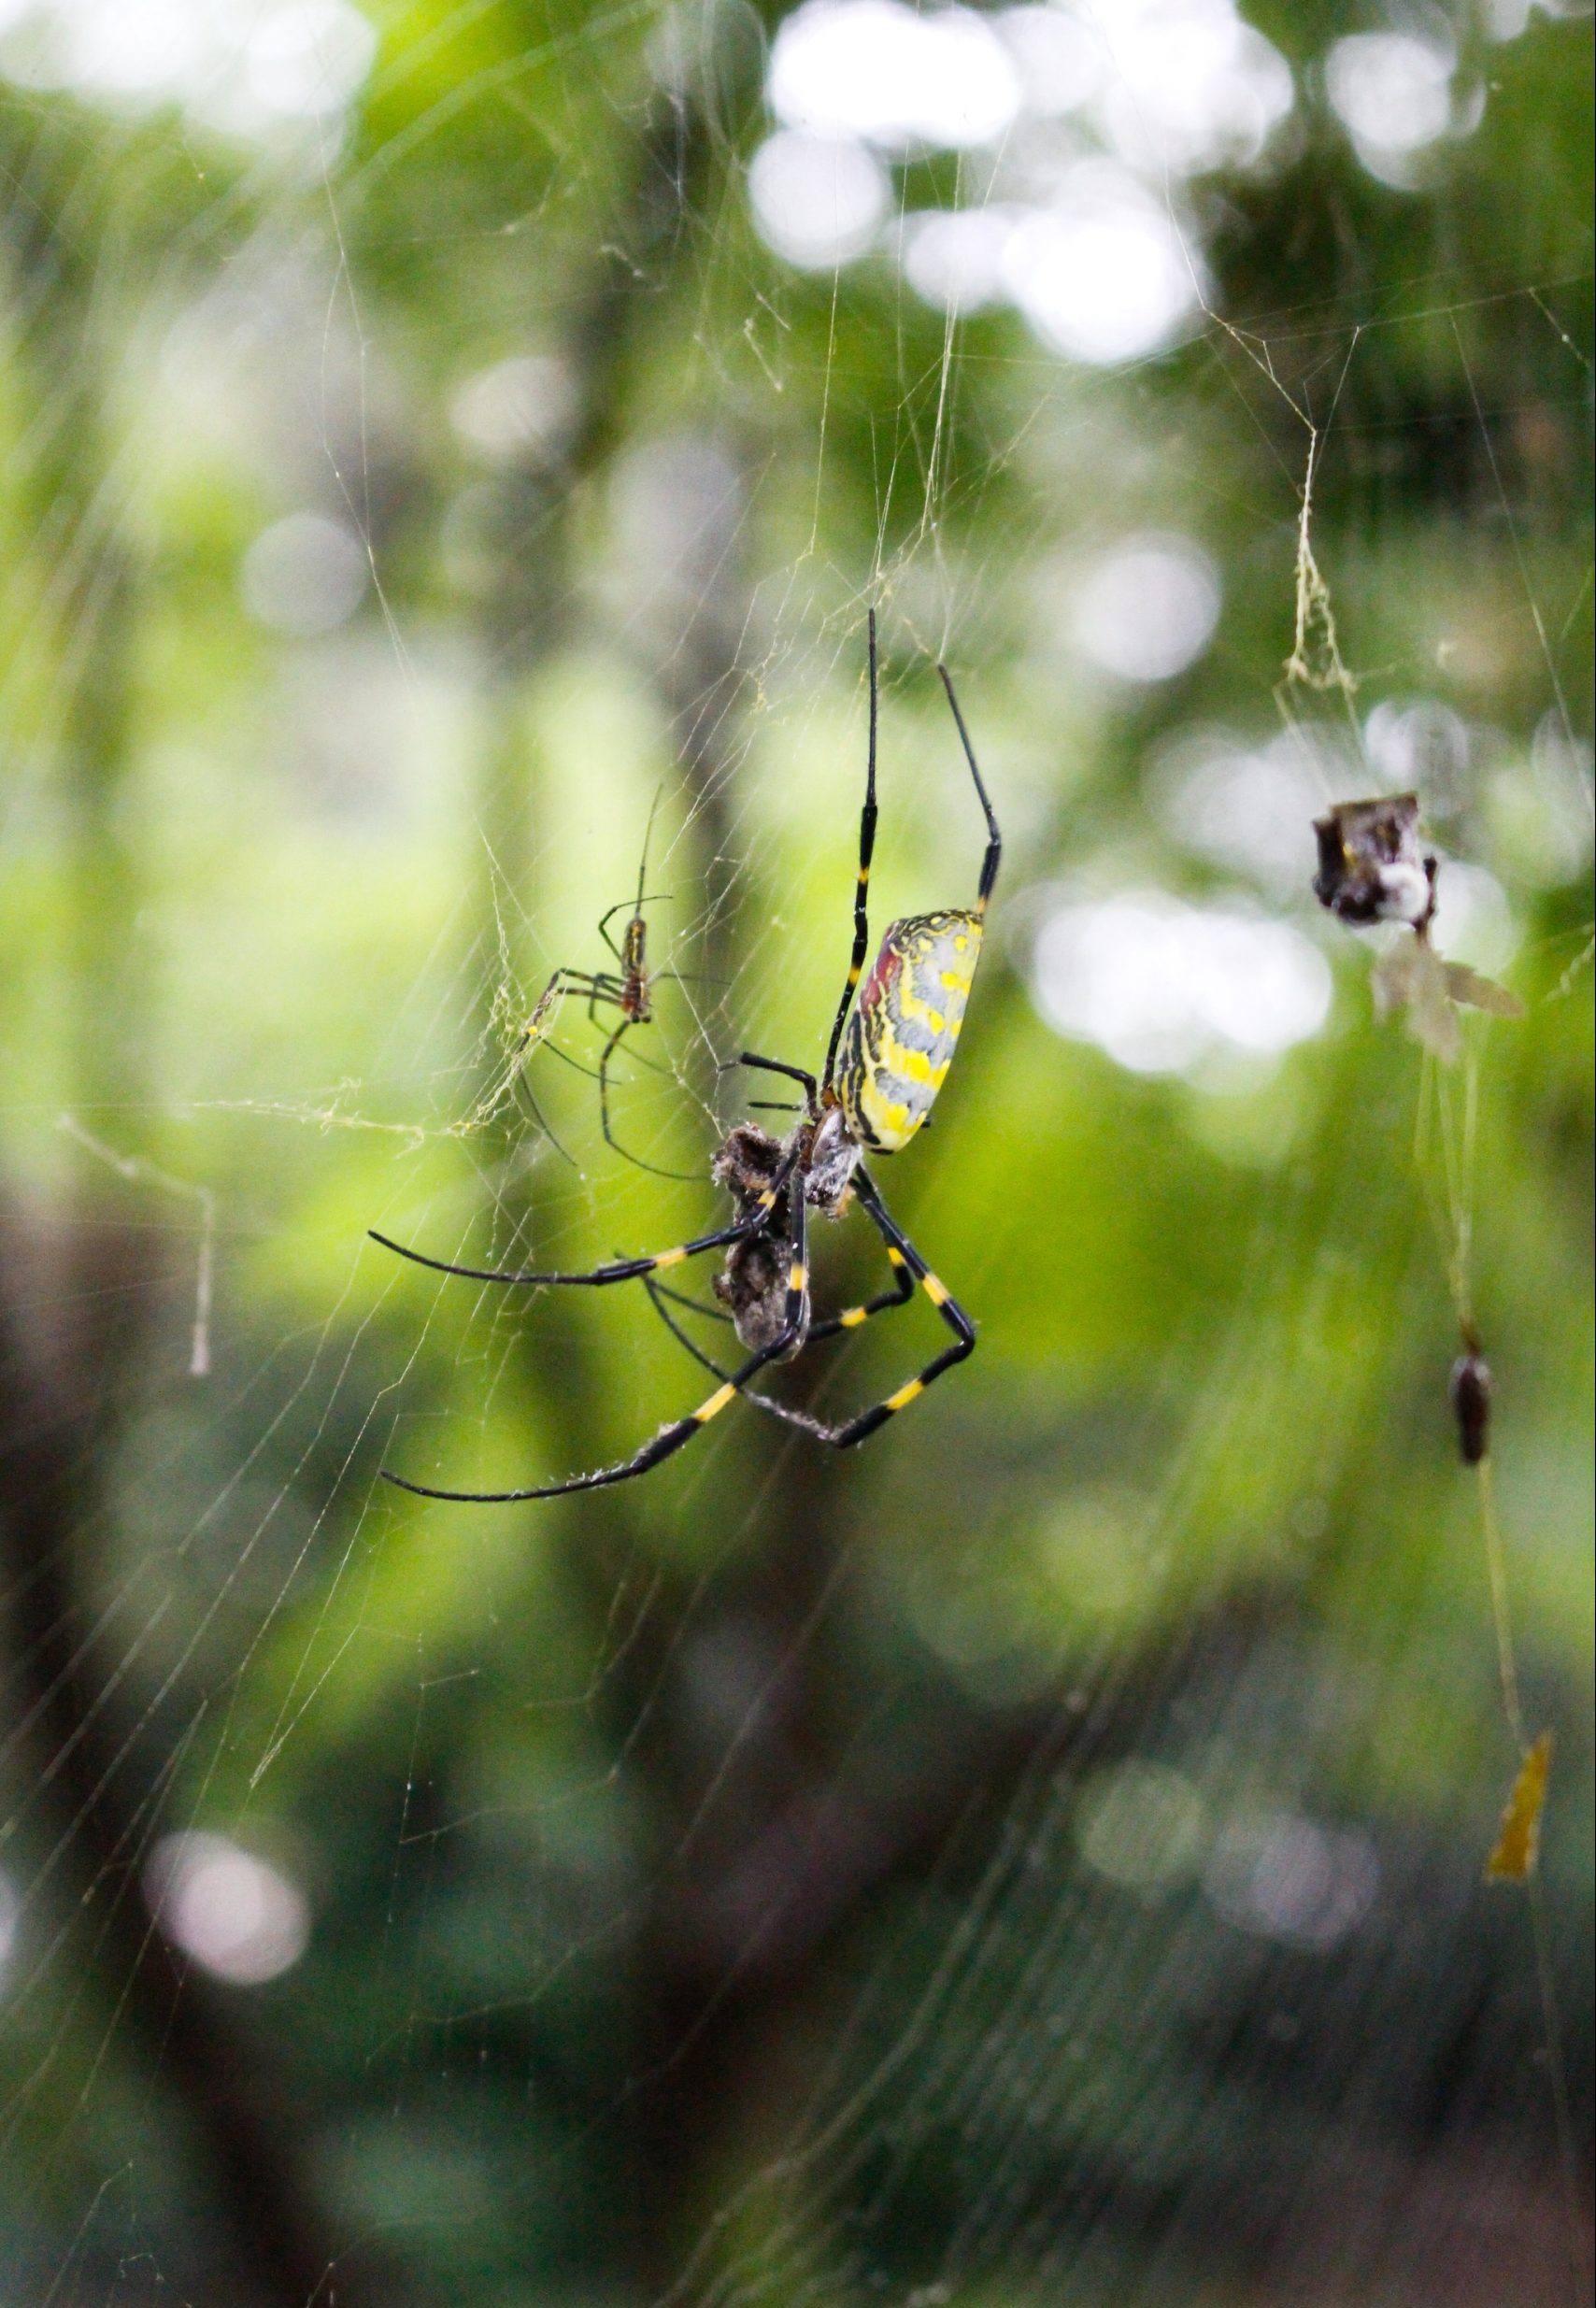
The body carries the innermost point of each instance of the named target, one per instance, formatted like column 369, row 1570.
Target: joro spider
column 629, row 989
column 888, row 1056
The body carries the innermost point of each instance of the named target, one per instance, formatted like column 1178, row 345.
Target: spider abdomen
column 900, row 1036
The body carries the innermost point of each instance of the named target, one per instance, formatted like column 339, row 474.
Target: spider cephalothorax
column 891, row 1042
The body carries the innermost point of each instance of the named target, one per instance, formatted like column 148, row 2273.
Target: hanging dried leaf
column 1470, row 1406
column 1413, row 977
column 1517, row 1847
column 1480, row 993
column 1373, row 867
column 1391, row 977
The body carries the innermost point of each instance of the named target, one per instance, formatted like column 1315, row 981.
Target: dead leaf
column 1432, row 1017
column 1480, row 993
column 1517, row 1847
column 1391, row 978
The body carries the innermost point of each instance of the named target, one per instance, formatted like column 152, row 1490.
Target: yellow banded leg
column 617, row 1270
column 901, row 1250
column 670, row 1439
column 862, row 883
column 854, row 1317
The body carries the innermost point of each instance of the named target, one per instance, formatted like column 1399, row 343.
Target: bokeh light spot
column 1159, row 985
column 954, row 257
column 232, row 1911
column 1473, row 921
column 245, row 67
column 818, row 201
column 879, row 70
column 1192, row 87
column 1247, row 808
column 1147, row 609
column 1284, row 1878
column 518, row 406
column 1142, row 1825
column 1393, row 95
column 1102, row 274
column 305, row 575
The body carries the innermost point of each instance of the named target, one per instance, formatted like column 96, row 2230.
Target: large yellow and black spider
column 891, row 1042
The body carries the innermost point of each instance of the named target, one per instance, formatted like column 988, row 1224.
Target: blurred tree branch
column 94, row 1782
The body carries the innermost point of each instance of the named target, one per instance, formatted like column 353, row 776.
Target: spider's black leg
column 642, row 878
column 788, row 1416
column 609, row 1137
column 774, row 1065
column 671, row 1438
column 564, row 981
column 855, row 1429
column 861, row 887
column 520, row 1091
column 588, row 1074
column 899, row 1295
column 610, row 1049
column 605, row 988
column 653, row 897
column 658, row 1291
column 851, row 1319
column 994, row 839
column 619, row 1269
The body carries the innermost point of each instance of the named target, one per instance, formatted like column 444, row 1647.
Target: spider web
column 1036, row 1859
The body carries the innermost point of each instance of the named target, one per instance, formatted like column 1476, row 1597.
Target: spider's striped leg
column 618, row 1269
column 903, row 1289
column 957, row 1321
column 658, row 1294
column 671, row 1438
column 861, row 886
column 899, row 1295
column 851, row 1319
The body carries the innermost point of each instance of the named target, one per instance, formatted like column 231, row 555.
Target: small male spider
column 888, row 1056
column 629, row 989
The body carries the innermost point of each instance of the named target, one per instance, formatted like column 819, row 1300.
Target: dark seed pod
column 1470, row 1406
column 1371, row 867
